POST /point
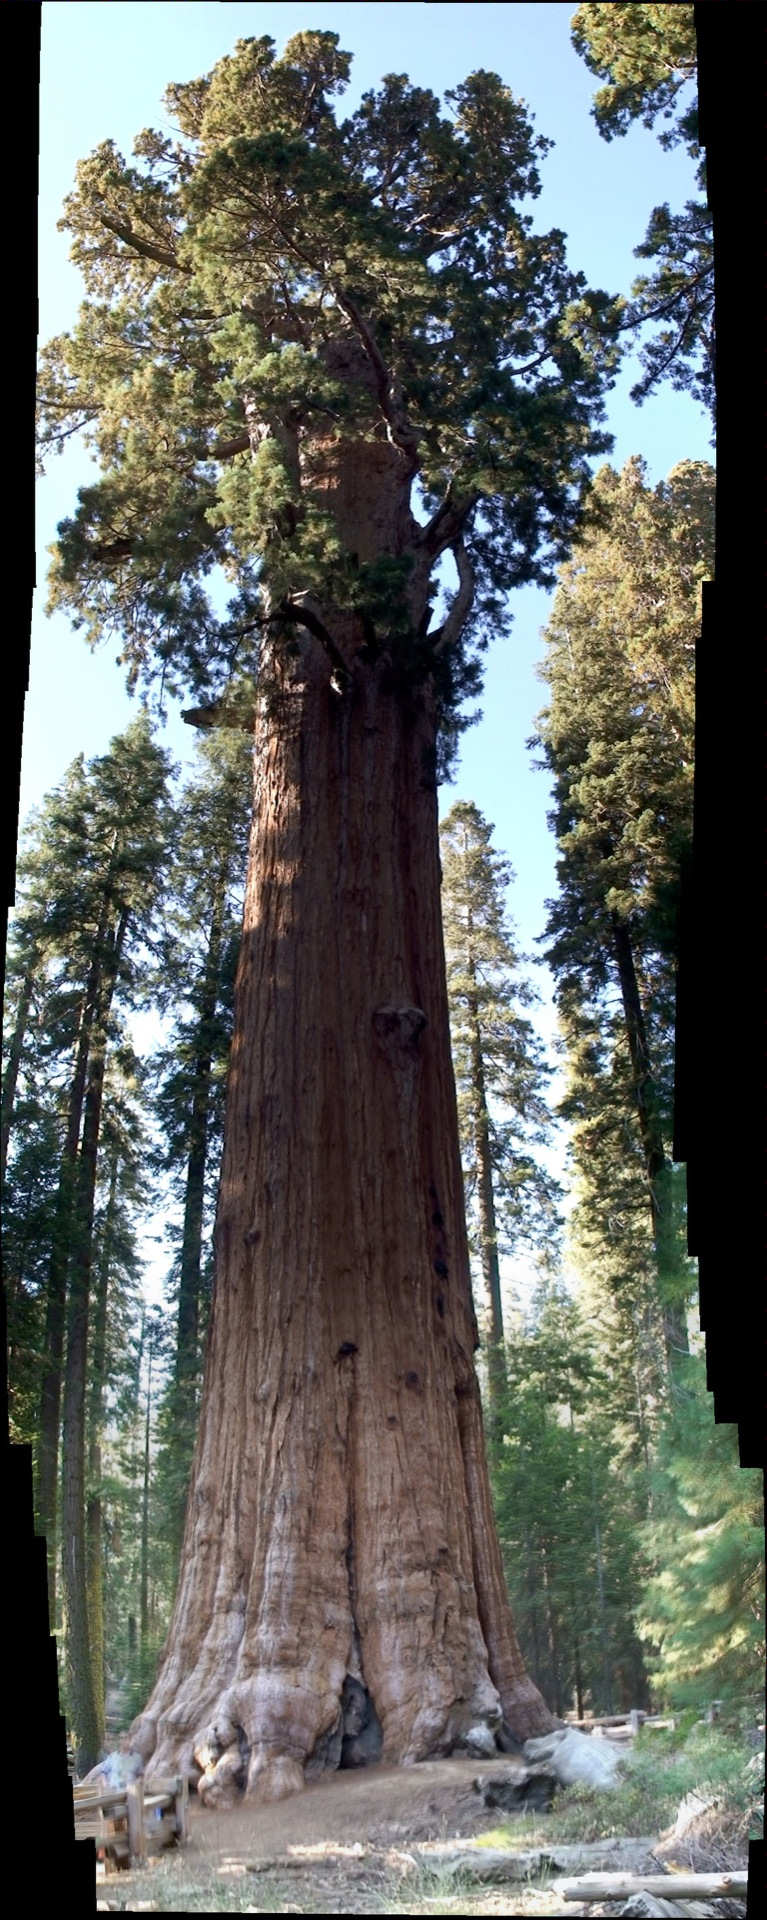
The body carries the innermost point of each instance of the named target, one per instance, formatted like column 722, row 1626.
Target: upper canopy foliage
column 648, row 57
column 269, row 287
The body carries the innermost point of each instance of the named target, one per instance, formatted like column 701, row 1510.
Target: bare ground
column 345, row 1845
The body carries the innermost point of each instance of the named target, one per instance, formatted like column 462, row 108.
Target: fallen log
column 454, row 1856
column 675, row 1886
column 510, row 1863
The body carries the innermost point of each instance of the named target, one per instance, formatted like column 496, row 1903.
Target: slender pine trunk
column 82, row 1702
column 15, row 1053
column 497, row 1378
column 601, row 1608
column 93, row 1505
column 144, row 1584
column 551, row 1633
column 58, row 1268
column 578, row 1668
column 532, row 1586
column 184, row 1392
column 187, row 1354
column 657, row 1165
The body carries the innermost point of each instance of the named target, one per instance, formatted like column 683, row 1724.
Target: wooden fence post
column 135, row 1803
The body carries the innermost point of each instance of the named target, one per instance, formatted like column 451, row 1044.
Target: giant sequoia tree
column 296, row 332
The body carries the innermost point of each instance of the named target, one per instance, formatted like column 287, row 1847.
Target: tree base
column 224, row 1768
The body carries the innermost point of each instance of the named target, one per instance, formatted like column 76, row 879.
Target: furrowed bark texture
column 339, row 1518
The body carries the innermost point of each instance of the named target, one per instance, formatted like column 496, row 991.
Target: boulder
column 520, row 1792
column 575, row 1757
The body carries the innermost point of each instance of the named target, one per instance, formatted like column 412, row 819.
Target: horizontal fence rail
column 128, row 1822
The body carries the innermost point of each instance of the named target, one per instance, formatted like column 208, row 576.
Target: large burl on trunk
column 339, row 1520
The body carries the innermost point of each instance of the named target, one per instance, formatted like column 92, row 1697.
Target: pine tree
column 568, row 1532
column 647, row 56
column 701, row 1610
column 618, row 739
column 96, row 864
column 203, row 923
column 499, row 1067
column 289, row 319
column 122, row 1189
column 127, row 818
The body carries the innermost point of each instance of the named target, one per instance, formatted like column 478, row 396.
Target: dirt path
column 349, row 1838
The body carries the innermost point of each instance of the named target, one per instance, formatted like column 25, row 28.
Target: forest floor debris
column 404, row 1841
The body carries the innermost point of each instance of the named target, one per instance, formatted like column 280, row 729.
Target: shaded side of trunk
column 656, row 1162
column 339, row 1518
column 93, row 1505
column 15, row 1052
column 82, row 1702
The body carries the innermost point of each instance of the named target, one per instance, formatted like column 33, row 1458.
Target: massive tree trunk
column 339, row 1519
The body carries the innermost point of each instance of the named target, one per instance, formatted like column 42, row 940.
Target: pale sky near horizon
column 104, row 70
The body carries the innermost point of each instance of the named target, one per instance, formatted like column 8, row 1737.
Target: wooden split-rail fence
column 128, row 1822
column 623, row 1725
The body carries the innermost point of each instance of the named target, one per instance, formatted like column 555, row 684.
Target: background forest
column 632, row 1539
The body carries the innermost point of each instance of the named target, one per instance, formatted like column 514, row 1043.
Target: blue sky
column 104, row 70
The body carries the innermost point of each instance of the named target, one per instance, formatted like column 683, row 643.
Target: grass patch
column 660, row 1771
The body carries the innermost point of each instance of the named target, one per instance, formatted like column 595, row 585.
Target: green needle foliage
column 618, row 740
column 566, row 1519
column 499, row 1066
column 647, row 56
column 200, row 947
column 230, row 273
column 702, row 1612
column 88, row 882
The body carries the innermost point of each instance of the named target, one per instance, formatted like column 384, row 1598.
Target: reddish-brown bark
column 340, row 1504
column 339, row 1518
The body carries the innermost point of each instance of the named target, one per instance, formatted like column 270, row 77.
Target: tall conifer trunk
column 86, row 1720
column 339, row 1518
column 656, row 1162
column 194, row 1196
column 93, row 1500
column 497, row 1380
column 56, row 1294
column 15, row 1052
